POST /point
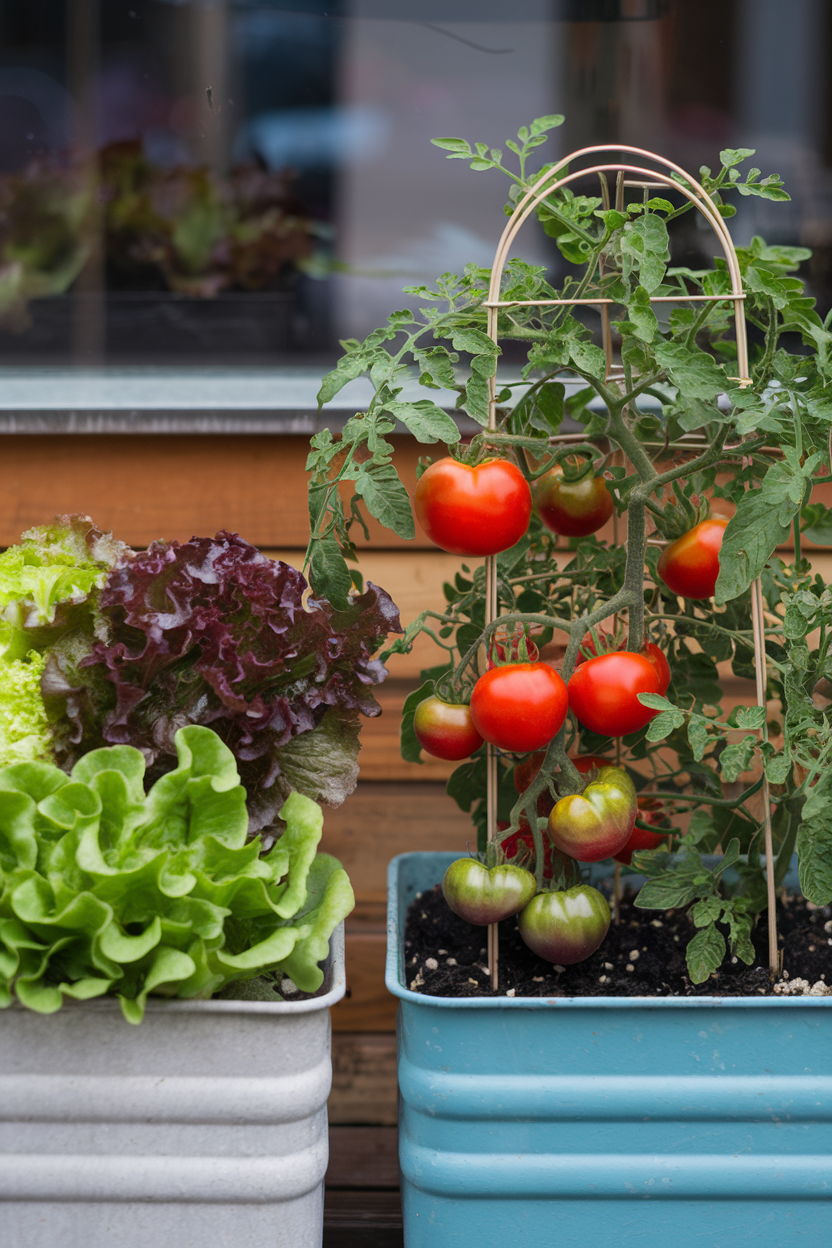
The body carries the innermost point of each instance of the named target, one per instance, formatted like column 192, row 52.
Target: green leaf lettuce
column 104, row 889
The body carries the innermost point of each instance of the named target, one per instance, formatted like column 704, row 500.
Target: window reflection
column 241, row 182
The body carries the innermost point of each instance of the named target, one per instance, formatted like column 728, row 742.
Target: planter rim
column 335, row 973
column 395, row 986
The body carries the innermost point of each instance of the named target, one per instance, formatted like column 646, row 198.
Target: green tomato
column 481, row 895
column 565, row 927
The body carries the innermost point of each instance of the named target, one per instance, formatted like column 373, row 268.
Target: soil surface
column 642, row 956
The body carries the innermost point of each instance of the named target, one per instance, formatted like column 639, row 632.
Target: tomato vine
column 688, row 433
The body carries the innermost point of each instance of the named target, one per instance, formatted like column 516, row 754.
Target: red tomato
column 473, row 510
column 690, row 565
column 445, row 729
column 572, row 508
column 603, row 693
column 585, row 763
column 650, row 651
column 519, row 706
column 640, row 838
column 659, row 661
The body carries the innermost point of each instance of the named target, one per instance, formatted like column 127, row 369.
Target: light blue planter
column 647, row 1122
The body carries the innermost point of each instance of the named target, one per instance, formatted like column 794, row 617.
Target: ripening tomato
column 477, row 509
column 445, row 729
column 481, row 895
column 572, row 508
column 519, row 706
column 565, row 927
column 690, row 565
column 597, row 823
column 603, row 693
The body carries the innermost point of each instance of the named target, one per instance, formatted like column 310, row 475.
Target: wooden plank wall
column 145, row 487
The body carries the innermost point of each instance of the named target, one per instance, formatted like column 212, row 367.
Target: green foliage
column 760, row 446
column 49, row 585
column 104, row 889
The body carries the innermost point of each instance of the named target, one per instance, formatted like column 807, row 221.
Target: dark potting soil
column 642, row 956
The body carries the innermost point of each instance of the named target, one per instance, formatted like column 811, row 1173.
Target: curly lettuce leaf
column 24, row 729
column 104, row 889
column 48, row 589
column 213, row 632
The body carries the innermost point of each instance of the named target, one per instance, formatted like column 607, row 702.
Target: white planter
column 205, row 1126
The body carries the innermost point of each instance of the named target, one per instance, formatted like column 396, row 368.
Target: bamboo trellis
column 645, row 179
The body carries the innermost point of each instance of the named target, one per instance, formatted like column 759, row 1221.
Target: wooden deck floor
column 362, row 1207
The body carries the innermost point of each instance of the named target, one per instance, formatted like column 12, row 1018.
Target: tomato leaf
column 814, row 852
column 588, row 357
column 644, row 249
column 705, row 953
column 550, row 122
column 751, row 716
column 656, row 701
column 329, row 573
column 817, row 524
column 736, row 758
column 698, row 736
column 641, row 315
column 667, row 891
column 761, row 523
column 705, row 911
column 474, row 341
column 347, row 369
column 731, row 155
column 778, row 767
column 426, row 421
column 739, row 930
column 437, row 367
column 386, row 498
column 664, row 724
column 694, row 371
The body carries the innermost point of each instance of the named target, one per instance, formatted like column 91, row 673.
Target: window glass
column 244, row 182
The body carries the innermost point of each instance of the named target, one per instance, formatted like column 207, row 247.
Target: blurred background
column 244, row 182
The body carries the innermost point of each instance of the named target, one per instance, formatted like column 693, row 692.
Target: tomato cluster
column 482, row 509
column 563, row 926
column 519, row 703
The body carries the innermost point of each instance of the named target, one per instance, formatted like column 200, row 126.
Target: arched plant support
column 560, row 175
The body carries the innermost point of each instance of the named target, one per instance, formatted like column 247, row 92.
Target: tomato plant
column 572, row 508
column 445, row 729
column 690, row 565
column 597, row 823
column 676, row 421
column 603, row 692
column 519, row 706
column 473, row 509
column 484, row 895
column 565, row 927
